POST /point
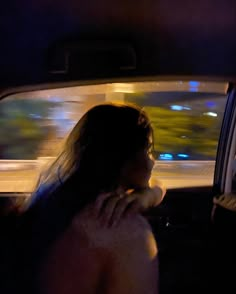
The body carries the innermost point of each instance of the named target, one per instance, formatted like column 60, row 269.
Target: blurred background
column 186, row 118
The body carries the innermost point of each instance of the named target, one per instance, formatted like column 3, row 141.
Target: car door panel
column 182, row 226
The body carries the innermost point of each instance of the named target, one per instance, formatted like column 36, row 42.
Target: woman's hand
column 111, row 207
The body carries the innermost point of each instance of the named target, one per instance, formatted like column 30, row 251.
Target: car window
column 186, row 119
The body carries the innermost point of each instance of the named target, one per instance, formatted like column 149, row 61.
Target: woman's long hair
column 103, row 140
column 97, row 149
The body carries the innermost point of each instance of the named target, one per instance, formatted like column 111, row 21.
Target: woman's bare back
column 90, row 258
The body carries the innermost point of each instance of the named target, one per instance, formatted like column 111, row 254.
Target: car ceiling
column 150, row 37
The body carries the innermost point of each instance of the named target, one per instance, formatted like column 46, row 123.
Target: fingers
column 99, row 203
column 108, row 209
column 111, row 207
column 123, row 205
column 135, row 207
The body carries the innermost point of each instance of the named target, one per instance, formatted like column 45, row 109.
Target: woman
column 80, row 233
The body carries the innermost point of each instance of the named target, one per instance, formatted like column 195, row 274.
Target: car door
column 195, row 226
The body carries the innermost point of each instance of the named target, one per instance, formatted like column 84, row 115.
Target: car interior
column 176, row 59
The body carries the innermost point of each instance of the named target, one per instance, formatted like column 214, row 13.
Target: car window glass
column 186, row 118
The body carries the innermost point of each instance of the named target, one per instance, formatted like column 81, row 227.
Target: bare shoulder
column 134, row 230
column 88, row 252
column 131, row 264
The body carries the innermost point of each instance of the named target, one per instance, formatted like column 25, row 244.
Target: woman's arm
column 150, row 196
column 110, row 207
